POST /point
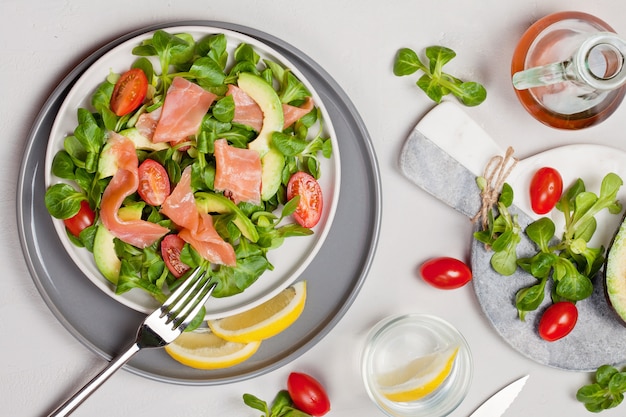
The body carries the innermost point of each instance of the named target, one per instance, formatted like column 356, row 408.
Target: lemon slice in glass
column 265, row 320
column 202, row 349
column 418, row 378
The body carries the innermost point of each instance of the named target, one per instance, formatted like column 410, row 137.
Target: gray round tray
column 334, row 278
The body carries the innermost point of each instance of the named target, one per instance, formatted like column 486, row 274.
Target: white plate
column 289, row 260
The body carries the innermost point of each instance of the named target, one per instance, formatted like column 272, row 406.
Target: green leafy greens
column 606, row 392
column 570, row 262
column 434, row 82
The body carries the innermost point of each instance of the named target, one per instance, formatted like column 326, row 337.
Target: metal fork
column 160, row 328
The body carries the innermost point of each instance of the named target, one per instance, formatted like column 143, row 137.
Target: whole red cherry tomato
column 546, row 187
column 558, row 321
column 81, row 220
column 445, row 273
column 307, row 394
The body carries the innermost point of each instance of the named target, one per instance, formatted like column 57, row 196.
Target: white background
column 355, row 41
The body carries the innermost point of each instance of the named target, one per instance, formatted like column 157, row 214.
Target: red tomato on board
column 171, row 245
column 445, row 273
column 308, row 394
column 129, row 92
column 558, row 321
column 309, row 209
column 546, row 187
column 154, row 183
column 81, row 220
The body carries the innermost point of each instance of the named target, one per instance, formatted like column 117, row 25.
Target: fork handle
column 77, row 399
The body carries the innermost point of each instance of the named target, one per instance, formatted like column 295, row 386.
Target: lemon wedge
column 265, row 320
column 202, row 349
column 419, row 378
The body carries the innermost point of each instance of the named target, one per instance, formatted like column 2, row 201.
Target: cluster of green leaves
column 606, row 392
column 208, row 63
column 434, row 82
column 502, row 234
column 281, row 406
column 570, row 262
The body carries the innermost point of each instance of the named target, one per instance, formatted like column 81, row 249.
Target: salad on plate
column 209, row 150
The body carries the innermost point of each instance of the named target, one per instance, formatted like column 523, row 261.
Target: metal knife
column 501, row 400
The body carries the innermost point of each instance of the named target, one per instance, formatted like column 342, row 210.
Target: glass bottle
column 568, row 70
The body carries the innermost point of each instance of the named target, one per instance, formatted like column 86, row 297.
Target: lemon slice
column 419, row 378
column 265, row 320
column 202, row 349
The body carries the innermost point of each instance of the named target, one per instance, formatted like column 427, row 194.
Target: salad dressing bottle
column 568, row 70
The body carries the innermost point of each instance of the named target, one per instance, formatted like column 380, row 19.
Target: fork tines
column 185, row 303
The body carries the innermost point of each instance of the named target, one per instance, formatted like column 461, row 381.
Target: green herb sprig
column 502, row 234
column 434, row 82
column 570, row 262
column 282, row 406
column 606, row 392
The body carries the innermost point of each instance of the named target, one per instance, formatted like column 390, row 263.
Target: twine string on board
column 495, row 174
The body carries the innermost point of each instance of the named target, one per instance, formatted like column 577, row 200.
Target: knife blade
column 501, row 400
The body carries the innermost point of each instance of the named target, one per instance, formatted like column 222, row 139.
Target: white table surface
column 355, row 41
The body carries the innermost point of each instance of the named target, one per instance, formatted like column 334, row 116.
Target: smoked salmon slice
column 184, row 107
column 292, row 113
column 139, row 233
column 196, row 227
column 248, row 112
column 147, row 122
column 237, row 172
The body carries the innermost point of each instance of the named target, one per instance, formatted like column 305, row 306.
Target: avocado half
column 615, row 272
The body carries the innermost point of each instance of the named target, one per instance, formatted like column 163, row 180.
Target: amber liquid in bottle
column 564, row 105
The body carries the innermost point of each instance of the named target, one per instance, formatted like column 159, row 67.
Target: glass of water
column 416, row 365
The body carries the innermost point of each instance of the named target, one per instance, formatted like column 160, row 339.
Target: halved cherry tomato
column 154, row 183
column 171, row 245
column 558, row 321
column 308, row 394
column 309, row 209
column 546, row 187
column 81, row 220
column 445, row 273
column 129, row 92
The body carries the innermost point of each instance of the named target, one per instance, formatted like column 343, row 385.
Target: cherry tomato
column 445, row 273
column 129, row 92
column 309, row 209
column 558, row 321
column 171, row 245
column 307, row 394
column 154, row 183
column 546, row 187
column 81, row 220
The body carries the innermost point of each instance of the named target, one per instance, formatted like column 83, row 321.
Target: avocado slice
column 215, row 203
column 107, row 164
column 269, row 102
column 104, row 254
column 142, row 142
column 272, row 160
column 272, row 164
column 615, row 272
